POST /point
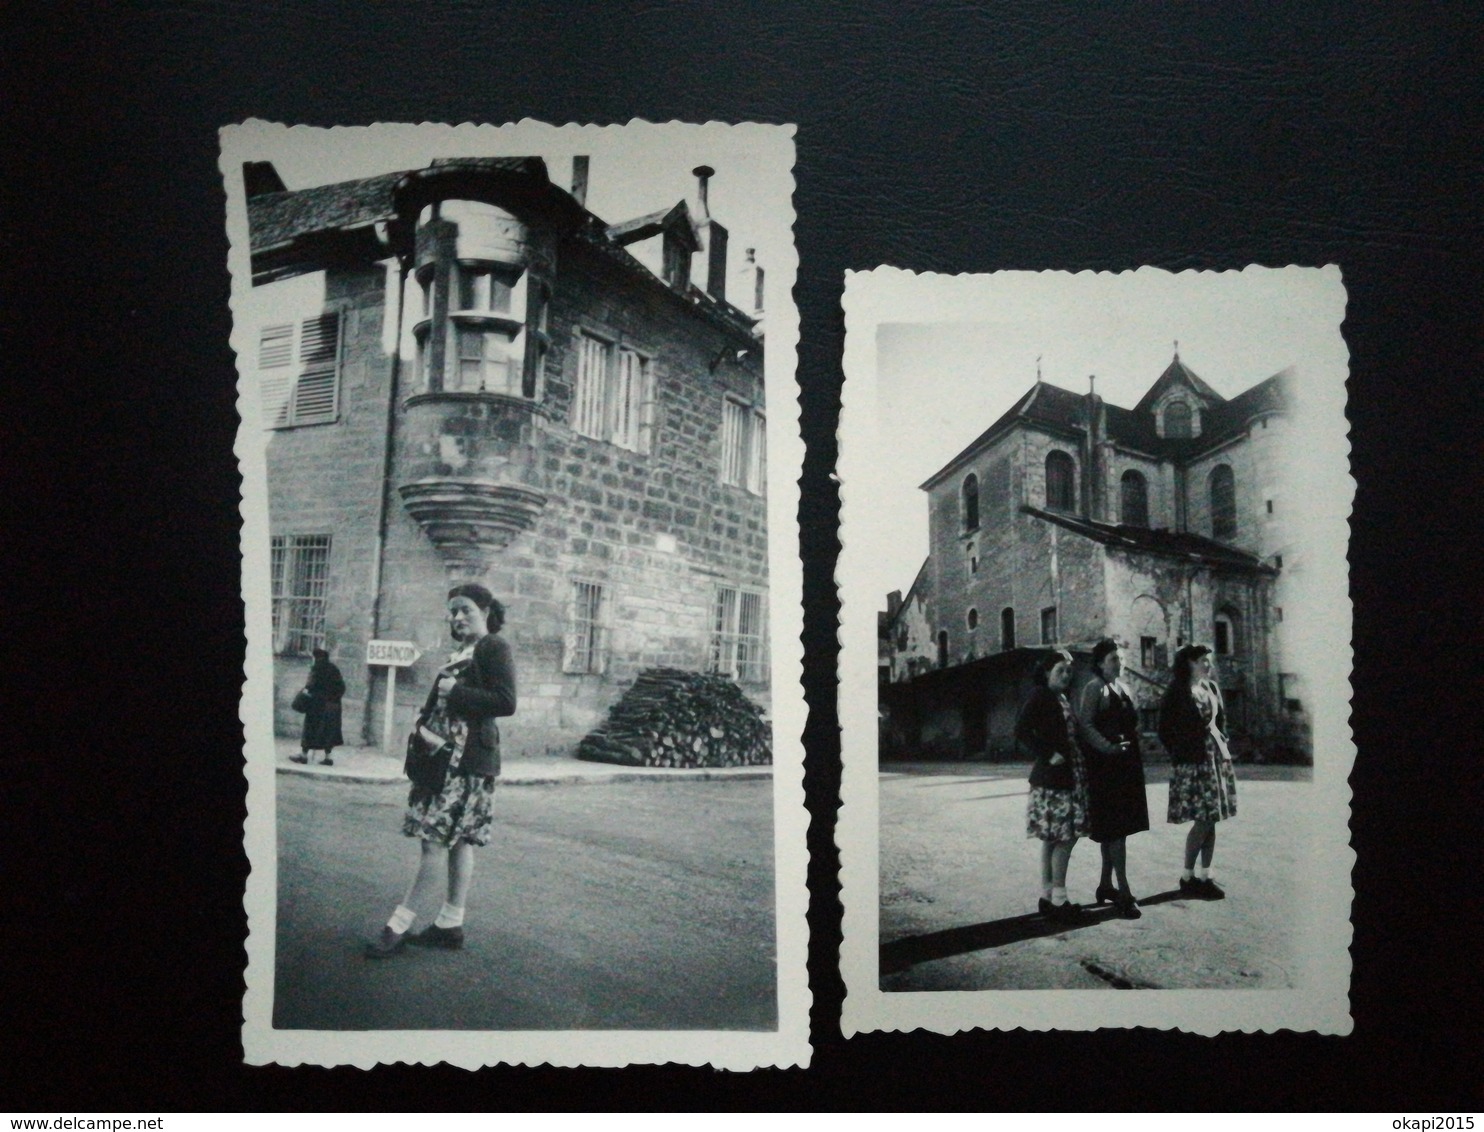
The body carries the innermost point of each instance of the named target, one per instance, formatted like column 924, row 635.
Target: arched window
column 971, row 502
column 943, row 648
column 1133, row 508
column 1061, row 482
column 1223, row 503
column 1177, row 421
column 1007, row 628
column 973, row 619
column 1228, row 641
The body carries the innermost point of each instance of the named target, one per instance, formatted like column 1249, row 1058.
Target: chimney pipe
column 579, row 179
column 703, row 175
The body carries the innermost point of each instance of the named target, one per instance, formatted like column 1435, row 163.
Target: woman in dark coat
column 1056, row 812
column 1203, row 787
column 476, row 687
column 323, row 690
column 1108, row 727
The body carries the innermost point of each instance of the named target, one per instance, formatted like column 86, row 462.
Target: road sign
column 397, row 654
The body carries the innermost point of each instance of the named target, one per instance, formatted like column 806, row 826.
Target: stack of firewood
column 681, row 719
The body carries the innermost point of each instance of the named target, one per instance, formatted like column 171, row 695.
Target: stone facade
column 1037, row 539
column 586, row 444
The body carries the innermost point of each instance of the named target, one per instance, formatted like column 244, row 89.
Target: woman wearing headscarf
column 476, row 687
column 1203, row 786
column 1108, row 727
column 323, row 692
column 1056, row 812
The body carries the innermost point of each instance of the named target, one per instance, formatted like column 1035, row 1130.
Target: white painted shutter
column 275, row 372
column 316, row 395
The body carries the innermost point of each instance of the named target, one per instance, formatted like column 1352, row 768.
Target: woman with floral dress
column 473, row 689
column 1203, row 787
column 1056, row 813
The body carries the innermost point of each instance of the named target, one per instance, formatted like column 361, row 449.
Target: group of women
column 1088, row 776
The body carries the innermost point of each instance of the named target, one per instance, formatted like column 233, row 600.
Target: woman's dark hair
column 321, row 654
column 1180, row 667
column 494, row 612
column 1101, row 650
column 1041, row 673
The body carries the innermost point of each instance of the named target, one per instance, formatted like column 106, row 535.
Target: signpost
column 394, row 655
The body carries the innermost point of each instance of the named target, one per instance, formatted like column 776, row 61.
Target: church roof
column 1177, row 373
column 1180, row 545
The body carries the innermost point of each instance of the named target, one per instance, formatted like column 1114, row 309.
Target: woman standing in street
column 1057, row 810
column 1108, row 727
column 1203, row 787
column 476, row 687
column 323, row 692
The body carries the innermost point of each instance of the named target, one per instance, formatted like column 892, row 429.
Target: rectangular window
column 300, row 573
column 1048, row 625
column 484, row 361
column 614, row 397
column 586, row 639
column 739, row 636
column 306, row 391
column 1149, row 720
column 744, row 441
column 487, row 289
column 1146, row 652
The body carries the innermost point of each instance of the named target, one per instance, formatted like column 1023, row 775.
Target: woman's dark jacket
column 1106, row 718
column 322, row 717
column 1042, row 730
column 484, row 692
column 1182, row 730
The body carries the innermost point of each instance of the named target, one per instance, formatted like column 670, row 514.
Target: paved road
column 959, row 883
column 616, row 906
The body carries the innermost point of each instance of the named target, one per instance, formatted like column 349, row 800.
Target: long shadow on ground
column 903, row 954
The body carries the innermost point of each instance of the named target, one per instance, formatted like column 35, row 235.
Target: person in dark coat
column 1108, row 729
column 475, row 688
column 1203, row 786
column 323, row 692
column 1056, row 812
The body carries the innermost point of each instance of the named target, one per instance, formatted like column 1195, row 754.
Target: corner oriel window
column 299, row 371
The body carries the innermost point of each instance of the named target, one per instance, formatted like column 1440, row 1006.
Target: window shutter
column 600, row 631
column 316, row 393
column 647, row 409
column 571, row 635
column 275, row 372
column 758, row 473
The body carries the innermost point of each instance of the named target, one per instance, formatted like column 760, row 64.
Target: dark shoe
column 1045, row 907
column 1210, row 890
column 299, row 758
column 448, row 939
column 1107, row 894
column 1067, row 913
column 327, row 761
column 1191, row 887
column 1127, row 907
column 385, row 944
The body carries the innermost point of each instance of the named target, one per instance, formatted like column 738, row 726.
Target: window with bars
column 586, row 645
column 739, row 636
column 614, row 396
column 300, row 571
column 299, row 371
column 744, row 441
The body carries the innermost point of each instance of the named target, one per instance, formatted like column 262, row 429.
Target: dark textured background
column 939, row 136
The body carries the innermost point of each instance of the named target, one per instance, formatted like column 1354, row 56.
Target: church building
column 1070, row 519
column 463, row 374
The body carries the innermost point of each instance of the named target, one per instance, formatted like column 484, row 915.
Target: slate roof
column 1061, row 410
column 643, row 227
column 1177, row 372
column 1167, row 544
column 275, row 220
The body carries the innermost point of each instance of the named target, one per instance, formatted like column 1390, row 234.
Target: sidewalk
column 369, row 764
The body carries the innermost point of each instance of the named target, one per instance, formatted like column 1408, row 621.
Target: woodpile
column 681, row 719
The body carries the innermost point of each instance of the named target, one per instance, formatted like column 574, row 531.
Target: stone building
column 466, row 375
column 1070, row 519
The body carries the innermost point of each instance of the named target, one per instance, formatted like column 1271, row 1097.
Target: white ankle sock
column 1058, row 895
column 1186, row 874
column 450, row 916
column 1203, row 873
column 401, row 919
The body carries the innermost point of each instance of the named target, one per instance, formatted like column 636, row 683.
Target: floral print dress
column 1206, row 790
column 464, row 810
column 1061, row 815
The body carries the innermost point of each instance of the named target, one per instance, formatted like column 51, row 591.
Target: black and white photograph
column 519, row 452
column 1095, row 533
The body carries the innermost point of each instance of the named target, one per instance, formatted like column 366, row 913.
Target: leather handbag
column 428, row 762
column 302, row 701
